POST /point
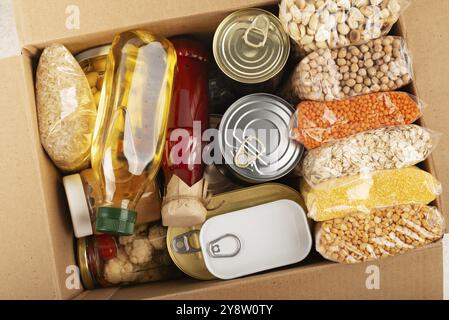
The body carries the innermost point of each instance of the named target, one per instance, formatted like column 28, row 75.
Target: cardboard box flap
column 427, row 35
column 36, row 236
column 40, row 23
column 384, row 279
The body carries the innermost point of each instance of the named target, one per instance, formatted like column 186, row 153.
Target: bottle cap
column 78, row 206
column 116, row 221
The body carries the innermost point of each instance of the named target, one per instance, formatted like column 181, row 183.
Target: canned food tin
column 184, row 244
column 93, row 63
column 254, row 138
column 251, row 48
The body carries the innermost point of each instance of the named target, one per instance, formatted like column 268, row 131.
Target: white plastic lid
column 79, row 209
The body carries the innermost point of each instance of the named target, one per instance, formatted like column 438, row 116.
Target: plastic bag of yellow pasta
column 362, row 193
column 382, row 233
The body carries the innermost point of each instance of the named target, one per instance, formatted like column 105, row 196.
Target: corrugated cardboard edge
column 446, row 267
column 35, row 192
column 38, row 24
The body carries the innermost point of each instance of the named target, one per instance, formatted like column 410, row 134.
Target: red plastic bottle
column 183, row 151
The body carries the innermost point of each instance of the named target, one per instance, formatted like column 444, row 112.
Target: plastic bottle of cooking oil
column 131, row 125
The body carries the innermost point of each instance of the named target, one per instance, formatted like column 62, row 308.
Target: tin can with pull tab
column 254, row 139
column 255, row 239
column 251, row 48
column 184, row 243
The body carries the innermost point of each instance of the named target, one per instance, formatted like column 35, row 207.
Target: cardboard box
column 36, row 239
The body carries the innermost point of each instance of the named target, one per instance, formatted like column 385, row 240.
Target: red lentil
column 322, row 122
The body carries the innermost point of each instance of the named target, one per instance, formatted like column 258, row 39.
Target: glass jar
column 93, row 63
column 83, row 195
column 106, row 260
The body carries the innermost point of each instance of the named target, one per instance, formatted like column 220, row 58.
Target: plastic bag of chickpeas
column 380, row 65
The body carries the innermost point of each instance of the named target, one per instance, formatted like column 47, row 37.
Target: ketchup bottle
column 182, row 162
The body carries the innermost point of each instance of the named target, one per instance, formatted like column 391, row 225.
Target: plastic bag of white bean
column 393, row 147
column 382, row 233
column 315, row 24
column 379, row 65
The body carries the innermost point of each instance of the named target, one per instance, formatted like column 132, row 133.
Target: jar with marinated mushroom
column 107, row 260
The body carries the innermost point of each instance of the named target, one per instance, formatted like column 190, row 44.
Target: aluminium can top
column 254, row 138
column 250, row 46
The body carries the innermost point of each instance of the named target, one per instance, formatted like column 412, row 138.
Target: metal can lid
column 250, row 46
column 184, row 244
column 83, row 263
column 254, row 138
column 93, row 53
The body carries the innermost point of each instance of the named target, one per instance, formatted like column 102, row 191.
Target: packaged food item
column 131, row 126
column 362, row 193
column 93, row 63
column 184, row 243
column 379, row 65
column 65, row 108
column 105, row 260
column 251, row 48
column 315, row 24
column 392, row 147
column 254, row 139
column 255, row 239
column 84, row 194
column 317, row 123
column 186, row 189
column 382, row 233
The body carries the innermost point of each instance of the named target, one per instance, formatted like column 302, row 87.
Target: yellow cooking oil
column 131, row 125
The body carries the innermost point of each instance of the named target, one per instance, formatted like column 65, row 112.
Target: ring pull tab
column 260, row 27
column 227, row 246
column 181, row 244
column 246, row 155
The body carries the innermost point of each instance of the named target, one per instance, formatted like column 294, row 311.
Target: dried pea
column 423, row 225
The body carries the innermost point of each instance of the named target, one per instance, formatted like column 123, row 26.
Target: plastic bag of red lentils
column 382, row 233
column 317, row 123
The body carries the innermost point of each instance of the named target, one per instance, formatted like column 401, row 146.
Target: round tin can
column 183, row 243
column 251, row 48
column 254, row 138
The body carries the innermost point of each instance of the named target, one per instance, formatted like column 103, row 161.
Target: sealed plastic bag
column 316, row 123
column 362, row 193
column 382, row 233
column 392, row 147
column 66, row 109
column 325, row 75
column 315, row 24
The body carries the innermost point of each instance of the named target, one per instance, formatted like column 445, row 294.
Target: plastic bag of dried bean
column 315, row 24
column 325, row 75
column 382, row 233
column 393, row 147
column 364, row 192
column 317, row 123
